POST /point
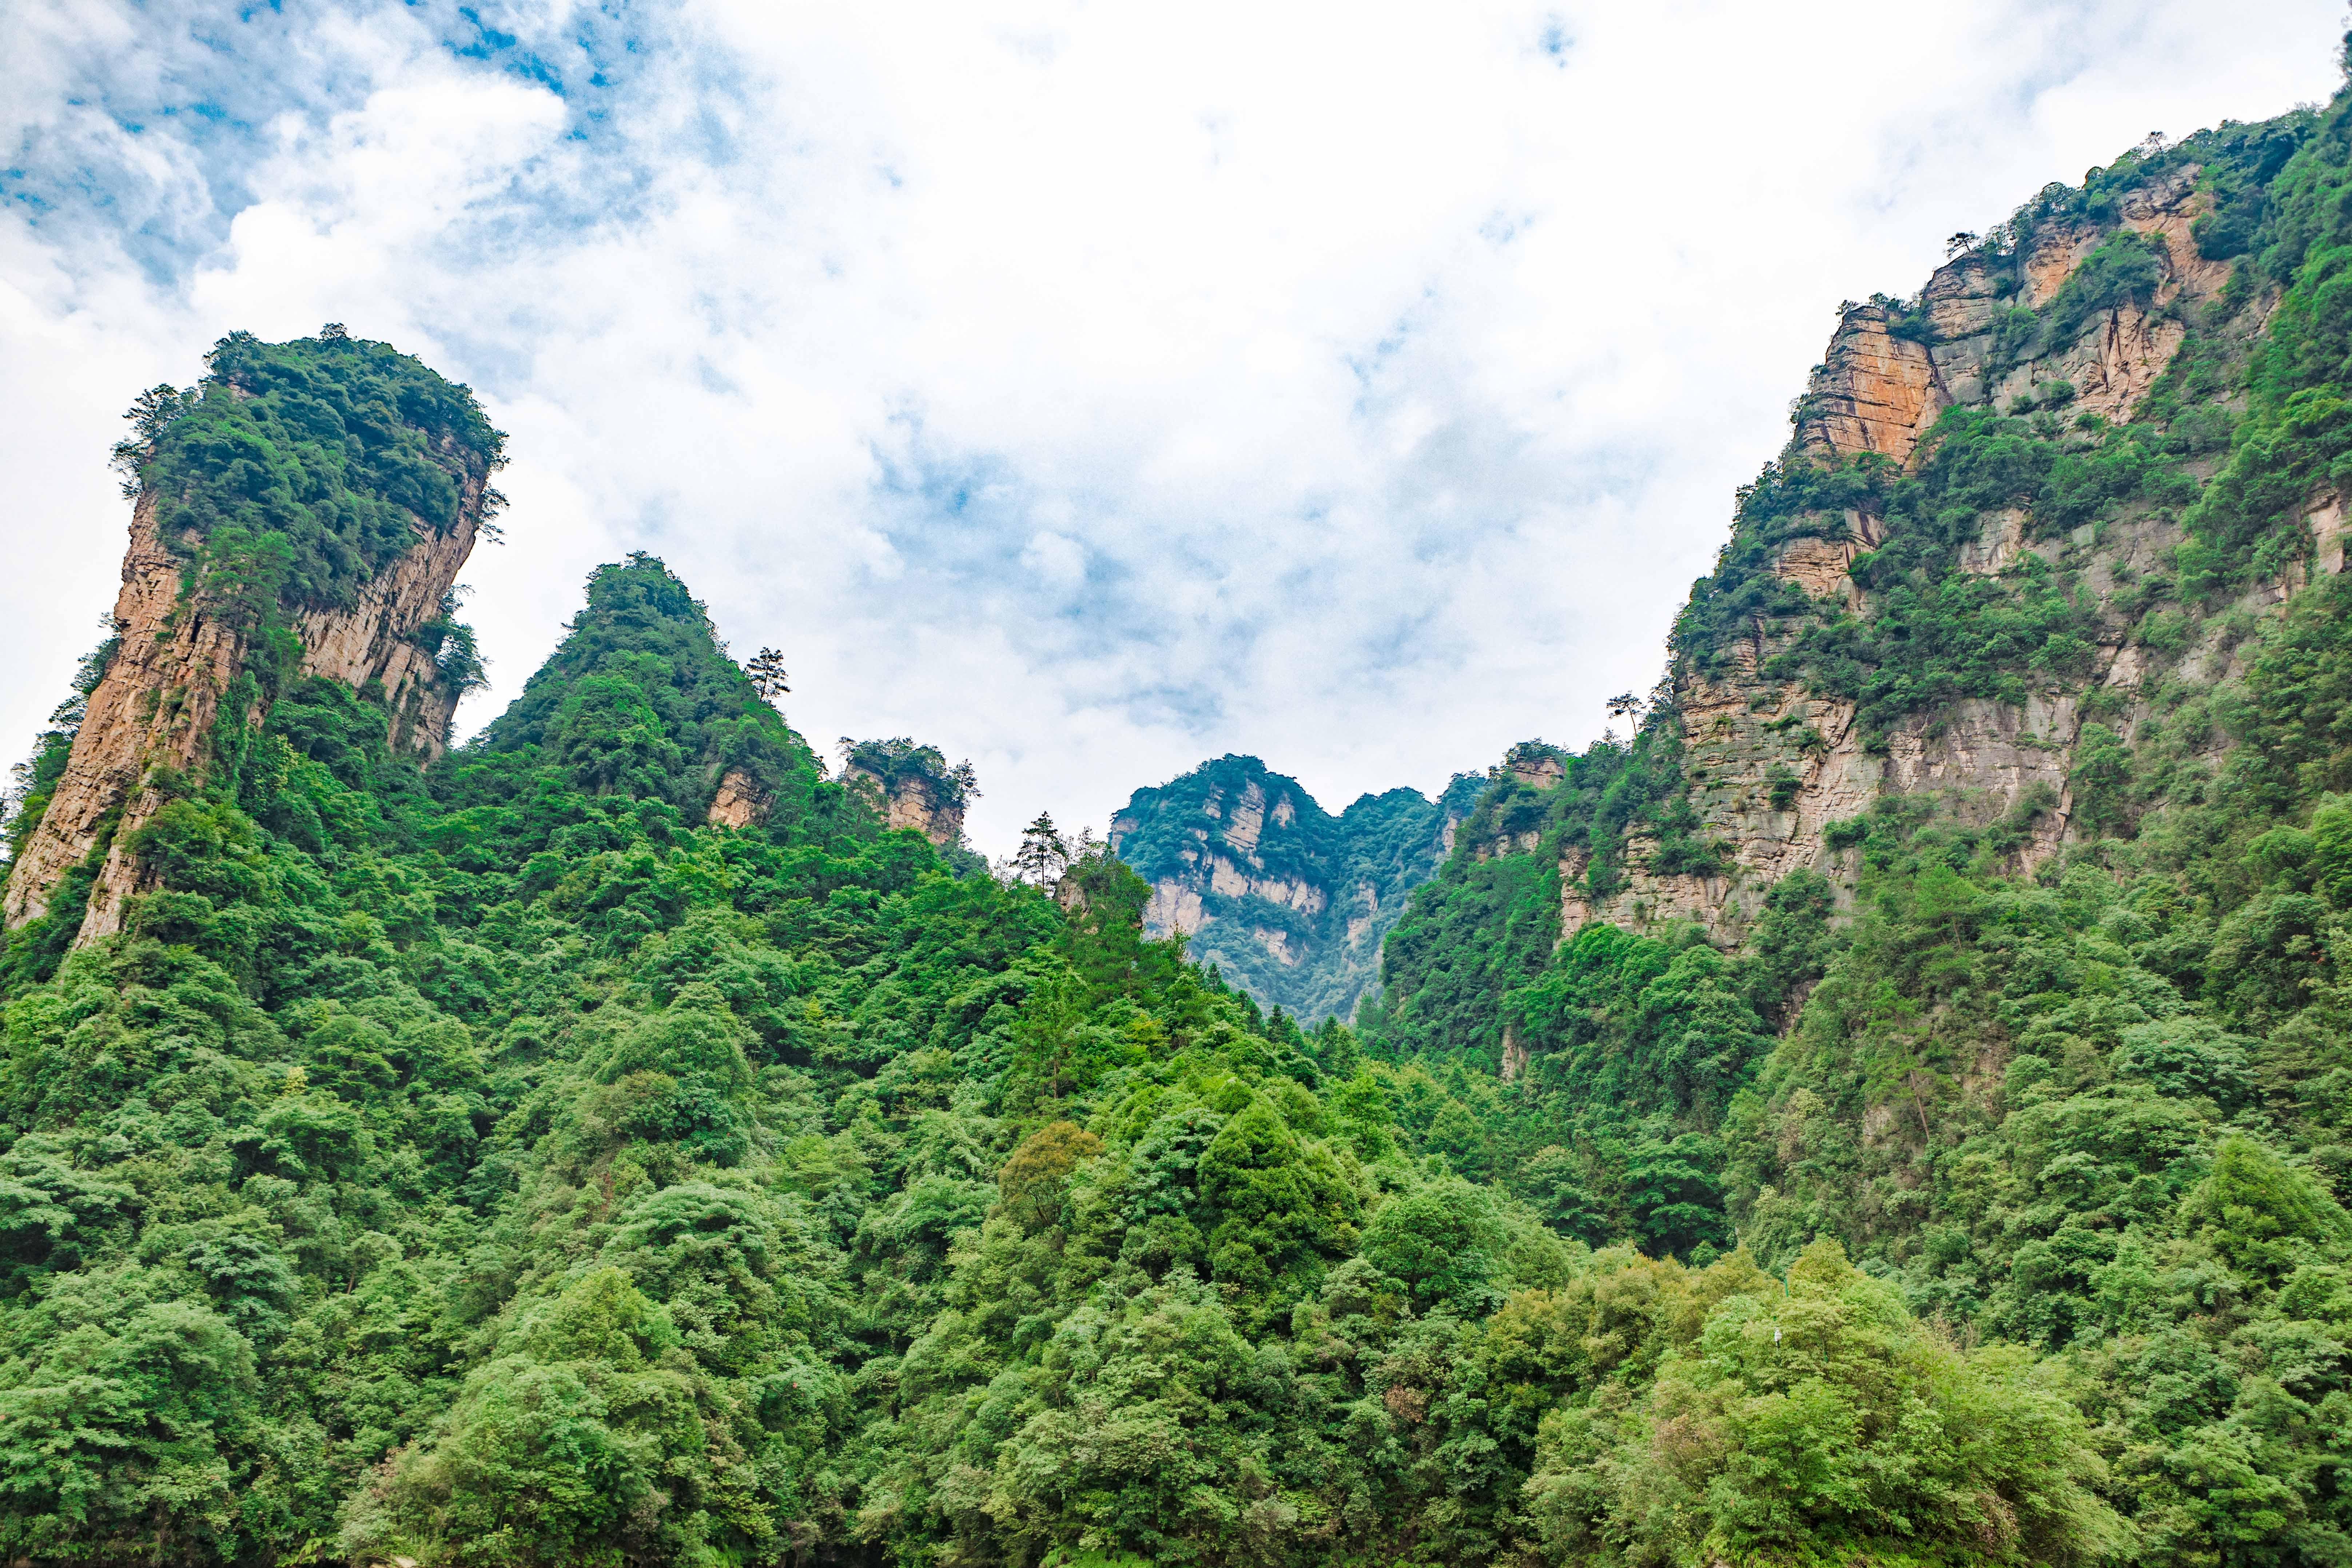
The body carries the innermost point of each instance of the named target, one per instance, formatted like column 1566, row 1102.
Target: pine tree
column 767, row 673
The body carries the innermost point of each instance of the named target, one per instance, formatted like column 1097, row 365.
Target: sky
column 1086, row 390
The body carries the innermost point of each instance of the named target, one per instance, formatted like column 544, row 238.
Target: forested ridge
column 2070, row 1077
column 1289, row 902
column 493, row 1162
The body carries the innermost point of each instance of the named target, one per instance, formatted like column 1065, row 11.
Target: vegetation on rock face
column 493, row 1163
column 897, row 764
column 282, row 484
column 2072, row 1088
column 305, row 462
column 1304, row 935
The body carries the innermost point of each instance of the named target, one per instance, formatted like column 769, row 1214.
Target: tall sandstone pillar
column 148, row 724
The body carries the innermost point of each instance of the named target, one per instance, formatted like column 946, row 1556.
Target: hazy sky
column 1085, row 389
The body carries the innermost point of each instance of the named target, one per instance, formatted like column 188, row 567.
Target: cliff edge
column 301, row 512
column 2026, row 519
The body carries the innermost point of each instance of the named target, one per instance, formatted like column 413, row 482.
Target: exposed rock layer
column 1289, row 901
column 740, row 803
column 912, row 801
column 1771, row 764
column 152, row 716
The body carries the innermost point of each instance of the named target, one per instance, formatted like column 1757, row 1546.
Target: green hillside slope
column 1779, row 1137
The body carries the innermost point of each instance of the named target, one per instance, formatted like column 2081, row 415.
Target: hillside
column 1288, row 902
column 1890, row 1109
column 1973, row 893
column 613, row 1141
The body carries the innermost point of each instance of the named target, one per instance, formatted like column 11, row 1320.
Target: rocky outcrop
column 1287, row 901
column 1769, row 766
column 373, row 640
column 911, row 800
column 740, row 803
column 1514, row 1053
column 1231, row 869
column 1874, row 392
column 148, row 723
column 1889, row 374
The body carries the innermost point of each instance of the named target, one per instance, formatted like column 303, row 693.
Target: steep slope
column 911, row 785
column 1990, row 544
column 1975, row 895
column 302, row 512
column 613, row 1143
column 1288, row 902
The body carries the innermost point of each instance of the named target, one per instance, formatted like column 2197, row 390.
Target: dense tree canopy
column 497, row 1163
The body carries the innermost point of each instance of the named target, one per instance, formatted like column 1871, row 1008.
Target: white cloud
column 1087, row 390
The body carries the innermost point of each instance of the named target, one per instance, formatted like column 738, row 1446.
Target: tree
column 1043, row 854
column 767, row 672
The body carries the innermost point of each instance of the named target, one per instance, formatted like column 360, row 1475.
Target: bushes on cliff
column 1349, row 875
column 328, row 445
column 2098, row 1113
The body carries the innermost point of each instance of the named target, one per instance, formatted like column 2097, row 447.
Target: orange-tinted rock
column 154, row 712
column 740, row 803
column 913, row 803
column 1874, row 393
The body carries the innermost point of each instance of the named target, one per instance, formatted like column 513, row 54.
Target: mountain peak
column 1289, row 901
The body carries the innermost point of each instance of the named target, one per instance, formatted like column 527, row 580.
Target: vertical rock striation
column 1289, row 901
column 374, row 640
column 192, row 627
column 910, row 786
column 1770, row 763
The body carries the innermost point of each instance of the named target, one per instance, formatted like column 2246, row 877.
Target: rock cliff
column 1289, row 901
column 740, row 803
column 909, row 785
column 211, row 621
column 2029, row 525
column 1771, row 760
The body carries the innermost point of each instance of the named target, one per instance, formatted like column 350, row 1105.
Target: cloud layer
column 1085, row 390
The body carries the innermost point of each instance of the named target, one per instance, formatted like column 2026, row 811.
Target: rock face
column 740, row 803
column 373, row 641
column 152, row 716
column 1770, row 765
column 1289, row 901
column 1874, row 392
column 910, row 800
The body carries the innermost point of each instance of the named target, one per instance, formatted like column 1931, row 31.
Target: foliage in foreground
column 488, row 1166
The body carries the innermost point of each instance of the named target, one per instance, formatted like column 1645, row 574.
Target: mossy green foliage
column 313, row 461
column 900, row 760
column 1364, row 862
column 1490, row 917
column 2103, row 1113
column 1810, row 1419
column 1933, row 634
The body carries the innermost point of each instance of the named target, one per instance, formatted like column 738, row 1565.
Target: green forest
column 2090, row 1109
column 489, row 1161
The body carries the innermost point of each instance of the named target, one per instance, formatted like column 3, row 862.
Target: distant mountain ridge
column 1289, row 901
